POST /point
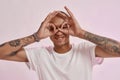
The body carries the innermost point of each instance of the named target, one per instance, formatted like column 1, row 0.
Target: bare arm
column 109, row 45
column 106, row 47
column 13, row 50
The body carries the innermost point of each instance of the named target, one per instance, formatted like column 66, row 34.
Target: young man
column 63, row 61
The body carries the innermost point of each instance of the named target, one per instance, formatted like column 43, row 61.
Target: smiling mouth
column 59, row 38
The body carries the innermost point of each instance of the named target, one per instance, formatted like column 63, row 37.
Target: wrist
column 36, row 37
column 81, row 34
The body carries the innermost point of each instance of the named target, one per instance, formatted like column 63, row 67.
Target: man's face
column 61, row 36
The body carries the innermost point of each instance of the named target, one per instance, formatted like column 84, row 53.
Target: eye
column 65, row 26
column 51, row 28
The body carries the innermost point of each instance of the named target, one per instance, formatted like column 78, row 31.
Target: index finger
column 69, row 12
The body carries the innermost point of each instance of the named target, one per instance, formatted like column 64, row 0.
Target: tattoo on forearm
column 2, row 45
column 21, row 42
column 27, row 40
column 14, row 43
column 103, row 42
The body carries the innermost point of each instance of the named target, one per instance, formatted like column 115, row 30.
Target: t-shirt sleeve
column 91, row 52
column 32, row 56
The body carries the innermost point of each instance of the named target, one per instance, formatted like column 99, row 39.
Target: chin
column 60, row 44
column 60, row 41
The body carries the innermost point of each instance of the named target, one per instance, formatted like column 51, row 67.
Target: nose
column 59, row 32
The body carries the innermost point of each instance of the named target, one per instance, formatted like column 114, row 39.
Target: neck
column 63, row 49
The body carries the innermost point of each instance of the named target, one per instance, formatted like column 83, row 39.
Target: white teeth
column 59, row 38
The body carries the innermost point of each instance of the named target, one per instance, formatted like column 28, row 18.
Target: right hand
column 46, row 26
column 74, row 29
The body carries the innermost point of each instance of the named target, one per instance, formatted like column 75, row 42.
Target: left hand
column 75, row 29
column 46, row 28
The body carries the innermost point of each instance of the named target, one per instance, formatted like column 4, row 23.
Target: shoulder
column 39, row 49
column 83, row 44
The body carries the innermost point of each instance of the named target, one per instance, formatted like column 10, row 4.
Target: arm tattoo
column 27, row 40
column 103, row 42
column 14, row 43
column 11, row 48
column 21, row 42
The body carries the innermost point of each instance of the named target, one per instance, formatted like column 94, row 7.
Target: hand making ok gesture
column 44, row 30
column 74, row 29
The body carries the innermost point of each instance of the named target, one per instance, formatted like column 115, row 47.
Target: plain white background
column 19, row 18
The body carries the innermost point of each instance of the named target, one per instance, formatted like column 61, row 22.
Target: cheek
column 52, row 38
column 66, row 38
column 66, row 31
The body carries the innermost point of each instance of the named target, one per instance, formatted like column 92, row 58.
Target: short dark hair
column 63, row 15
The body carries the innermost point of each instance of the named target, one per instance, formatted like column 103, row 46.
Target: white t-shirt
column 76, row 64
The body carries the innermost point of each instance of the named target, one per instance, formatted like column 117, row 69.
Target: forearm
column 11, row 47
column 107, row 44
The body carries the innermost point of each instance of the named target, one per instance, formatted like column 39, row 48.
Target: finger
column 51, row 27
column 54, row 13
column 47, row 16
column 68, row 11
column 63, row 14
column 65, row 26
column 50, row 16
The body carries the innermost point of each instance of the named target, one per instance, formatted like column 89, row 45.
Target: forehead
column 57, row 21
